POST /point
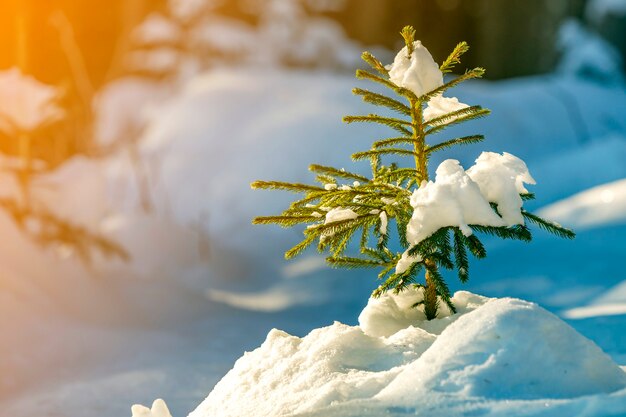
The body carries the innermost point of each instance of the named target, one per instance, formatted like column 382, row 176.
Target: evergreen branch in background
column 53, row 230
column 454, row 57
column 548, row 226
column 527, row 196
column 465, row 140
column 339, row 173
column 381, row 100
column 395, row 124
column 374, row 63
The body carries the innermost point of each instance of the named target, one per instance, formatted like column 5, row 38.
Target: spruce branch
column 339, row 173
column 460, row 256
column 385, row 151
column 454, row 57
column 408, row 33
column 456, row 117
column 548, row 226
column 300, row 247
column 465, row 140
column 392, row 122
column 382, row 100
column 468, row 75
column 393, row 141
column 518, row 231
column 284, row 221
column 287, row 186
column 351, row 262
column 374, row 63
column 366, row 75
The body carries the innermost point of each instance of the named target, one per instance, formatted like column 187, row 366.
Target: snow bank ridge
column 495, row 349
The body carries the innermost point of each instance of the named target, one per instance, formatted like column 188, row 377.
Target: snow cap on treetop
column 418, row 73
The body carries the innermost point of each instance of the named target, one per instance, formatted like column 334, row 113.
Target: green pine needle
column 548, row 226
column 465, row 140
column 287, row 186
column 381, row 100
column 338, row 173
column 408, row 33
column 392, row 122
column 374, row 63
column 455, row 57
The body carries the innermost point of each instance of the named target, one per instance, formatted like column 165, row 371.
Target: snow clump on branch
column 452, row 200
column 439, row 106
column 418, row 73
column 461, row 198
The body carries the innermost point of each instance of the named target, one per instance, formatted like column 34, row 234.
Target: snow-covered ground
column 204, row 285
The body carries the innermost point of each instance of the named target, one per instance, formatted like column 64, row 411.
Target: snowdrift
column 507, row 351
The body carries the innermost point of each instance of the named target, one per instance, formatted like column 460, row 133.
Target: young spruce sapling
column 437, row 221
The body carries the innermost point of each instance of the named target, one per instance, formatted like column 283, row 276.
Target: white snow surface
column 440, row 105
column 158, row 409
column 476, row 354
column 338, row 214
column 453, row 199
column 419, row 72
column 501, row 180
column 599, row 206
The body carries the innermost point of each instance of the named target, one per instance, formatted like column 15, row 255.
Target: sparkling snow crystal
column 419, row 73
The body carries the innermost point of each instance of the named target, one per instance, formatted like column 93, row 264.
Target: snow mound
column 508, row 348
column 496, row 349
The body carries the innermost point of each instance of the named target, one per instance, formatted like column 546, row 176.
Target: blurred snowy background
column 129, row 134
